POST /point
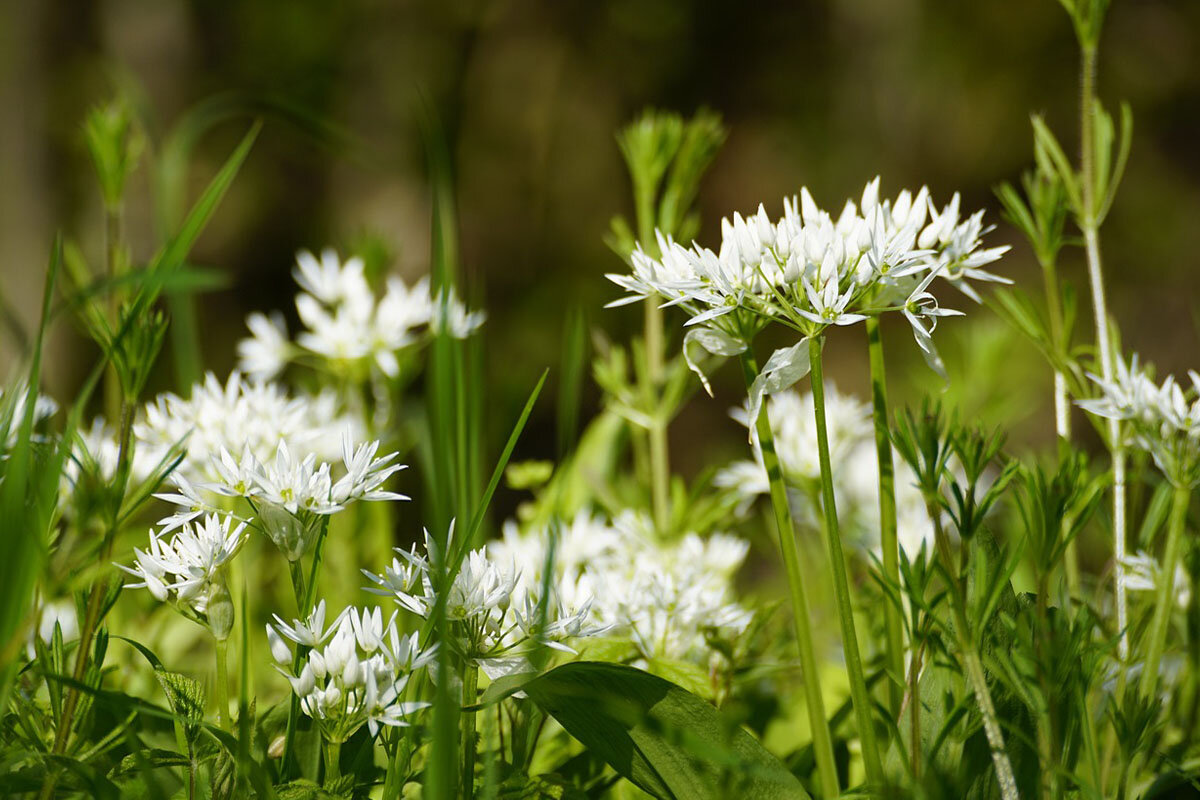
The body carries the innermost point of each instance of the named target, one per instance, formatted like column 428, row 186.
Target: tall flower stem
column 470, row 683
column 887, row 509
column 1091, row 237
column 222, row 683
column 333, row 755
column 1165, row 595
column 841, row 584
column 822, row 743
column 660, row 466
column 306, row 594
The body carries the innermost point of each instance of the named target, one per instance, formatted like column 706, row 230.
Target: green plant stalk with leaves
column 1091, row 192
column 666, row 157
column 972, row 664
column 813, row 695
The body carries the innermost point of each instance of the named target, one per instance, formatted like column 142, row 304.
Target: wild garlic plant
column 959, row 623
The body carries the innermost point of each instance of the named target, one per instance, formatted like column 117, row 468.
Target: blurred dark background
column 529, row 94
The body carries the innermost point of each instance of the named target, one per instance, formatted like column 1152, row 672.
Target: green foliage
column 669, row 742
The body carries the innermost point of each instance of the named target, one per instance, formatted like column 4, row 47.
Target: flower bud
column 219, row 611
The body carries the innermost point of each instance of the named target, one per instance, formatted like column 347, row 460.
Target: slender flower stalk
column 332, row 751
column 1165, row 596
column 1090, row 225
column 660, row 465
column 822, row 743
column 470, row 684
column 888, row 540
column 858, row 684
column 222, row 683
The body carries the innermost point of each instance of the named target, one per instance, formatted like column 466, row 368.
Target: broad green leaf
column 666, row 740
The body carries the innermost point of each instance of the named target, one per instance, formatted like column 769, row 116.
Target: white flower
column 237, row 416
column 808, row 270
column 190, row 565
column 365, row 473
column 1164, row 419
column 346, row 331
column 496, row 618
column 959, row 256
column 617, row 578
column 288, row 494
column 922, row 311
column 354, row 672
column 855, row 468
column 268, row 350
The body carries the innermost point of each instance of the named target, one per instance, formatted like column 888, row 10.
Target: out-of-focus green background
column 529, row 94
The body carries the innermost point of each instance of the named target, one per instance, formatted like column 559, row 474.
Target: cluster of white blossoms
column 1164, row 419
column 496, row 618
column 189, row 568
column 854, row 464
column 345, row 326
column 669, row 599
column 288, row 495
column 353, row 672
column 238, row 415
column 808, row 271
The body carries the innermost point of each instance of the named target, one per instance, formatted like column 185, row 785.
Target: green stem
column 888, row 541
column 1062, row 402
column 222, row 684
column 914, row 710
column 305, row 600
column 333, row 754
column 1165, row 597
column 1089, row 739
column 841, row 584
column 470, row 684
column 660, row 468
column 1089, row 226
column 112, row 262
column 991, row 727
column 822, row 743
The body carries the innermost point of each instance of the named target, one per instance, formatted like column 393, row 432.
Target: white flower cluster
column 241, row 415
column 497, row 619
column 809, row 271
column 189, row 568
column 669, row 599
column 1163, row 418
column 289, row 495
column 345, row 326
column 354, row 672
column 853, row 459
